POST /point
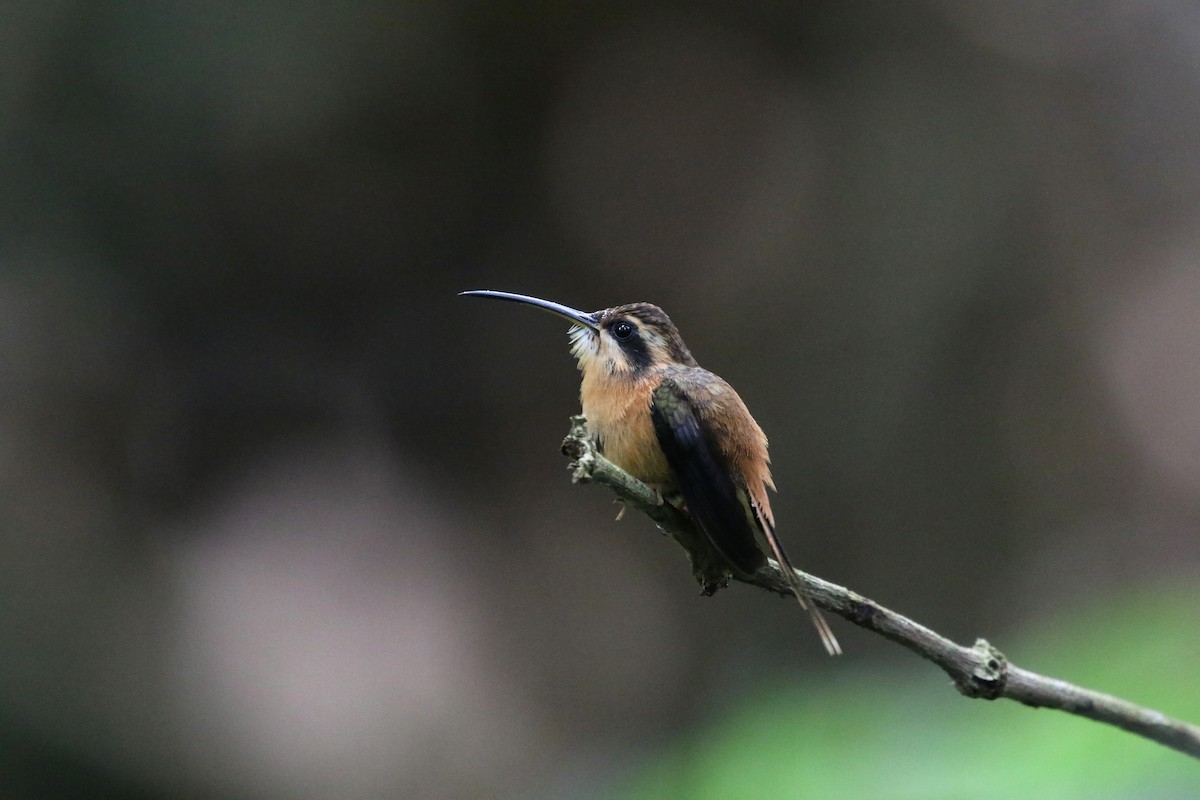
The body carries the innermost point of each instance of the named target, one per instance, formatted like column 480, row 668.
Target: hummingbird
column 682, row 430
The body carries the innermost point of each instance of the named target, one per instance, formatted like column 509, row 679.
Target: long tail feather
column 818, row 619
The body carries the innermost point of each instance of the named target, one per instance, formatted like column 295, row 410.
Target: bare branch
column 980, row 671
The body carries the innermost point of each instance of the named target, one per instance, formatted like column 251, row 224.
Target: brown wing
column 715, row 495
column 718, row 455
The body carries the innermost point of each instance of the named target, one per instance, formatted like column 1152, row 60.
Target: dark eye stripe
column 635, row 349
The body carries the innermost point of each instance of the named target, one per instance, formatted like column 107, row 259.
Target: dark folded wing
column 715, row 501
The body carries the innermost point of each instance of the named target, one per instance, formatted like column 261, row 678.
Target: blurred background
column 281, row 517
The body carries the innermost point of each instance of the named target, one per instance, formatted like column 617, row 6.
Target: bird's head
column 628, row 339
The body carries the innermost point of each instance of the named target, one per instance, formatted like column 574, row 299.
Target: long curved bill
column 574, row 315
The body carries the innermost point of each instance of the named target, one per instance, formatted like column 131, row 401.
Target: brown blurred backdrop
column 283, row 517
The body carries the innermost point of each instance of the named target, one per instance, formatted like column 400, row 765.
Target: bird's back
column 730, row 428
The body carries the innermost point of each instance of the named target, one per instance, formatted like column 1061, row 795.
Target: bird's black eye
column 623, row 329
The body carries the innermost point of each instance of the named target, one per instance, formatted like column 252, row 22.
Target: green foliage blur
column 905, row 734
column 284, row 518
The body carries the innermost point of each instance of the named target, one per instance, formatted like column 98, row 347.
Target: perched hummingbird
column 661, row 417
